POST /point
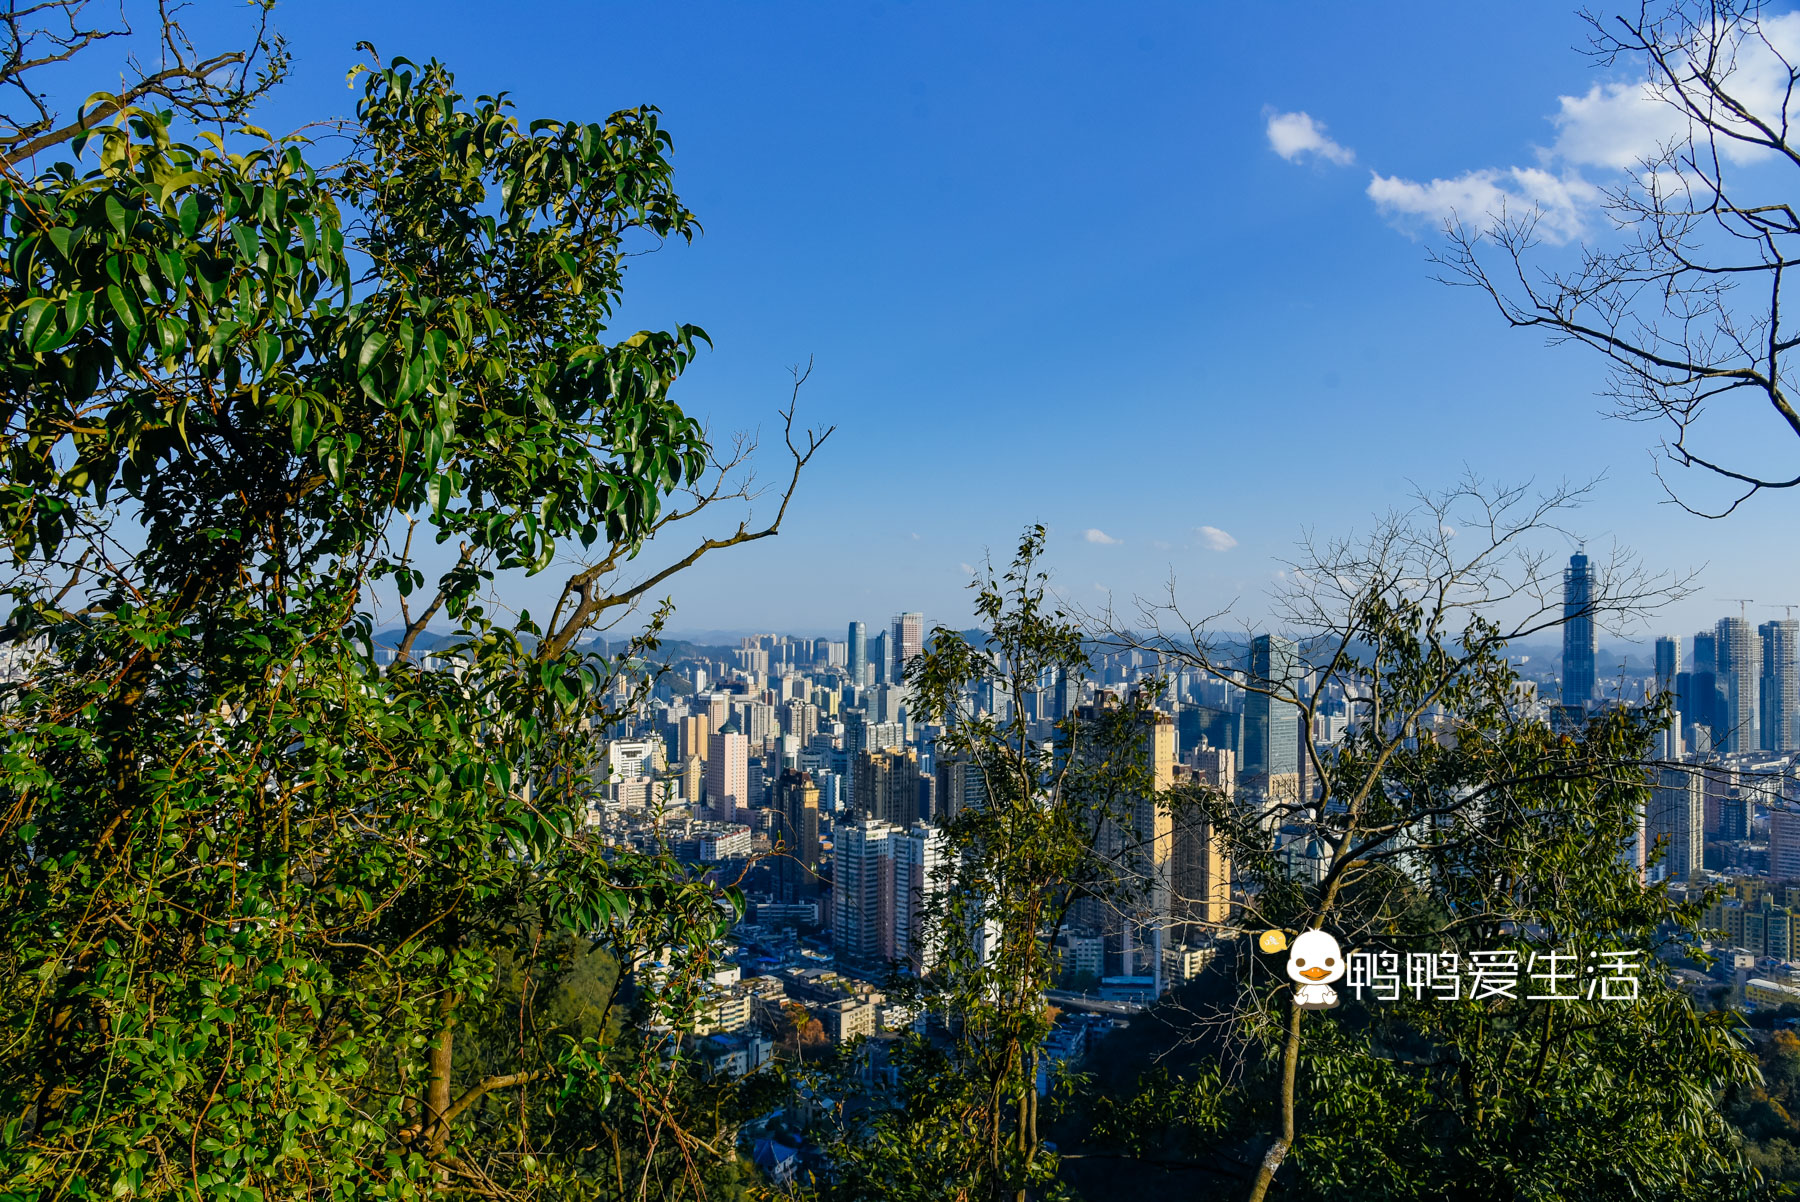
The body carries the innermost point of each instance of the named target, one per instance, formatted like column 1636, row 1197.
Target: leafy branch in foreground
column 282, row 916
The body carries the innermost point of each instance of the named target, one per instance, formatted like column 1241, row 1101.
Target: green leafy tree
column 1450, row 820
column 1056, row 824
column 278, row 914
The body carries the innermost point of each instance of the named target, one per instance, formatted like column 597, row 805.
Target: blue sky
column 1051, row 266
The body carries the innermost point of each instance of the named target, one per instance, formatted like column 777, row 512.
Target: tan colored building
column 1200, row 871
column 691, row 737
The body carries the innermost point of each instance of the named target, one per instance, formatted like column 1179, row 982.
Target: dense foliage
column 279, row 918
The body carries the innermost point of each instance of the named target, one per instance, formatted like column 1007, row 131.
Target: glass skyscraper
column 1271, row 741
column 857, row 655
column 1580, row 645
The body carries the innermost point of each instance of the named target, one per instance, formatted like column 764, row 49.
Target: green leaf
column 247, row 244
column 36, row 322
column 122, row 307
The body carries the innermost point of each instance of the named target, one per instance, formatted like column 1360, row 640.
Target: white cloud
column 1296, row 135
column 1101, row 536
column 1215, row 539
column 968, row 568
column 1563, row 202
column 1615, row 126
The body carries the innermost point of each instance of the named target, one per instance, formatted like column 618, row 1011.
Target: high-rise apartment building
column 887, row 785
column 796, row 828
column 914, row 856
column 727, row 775
column 856, row 660
column 800, row 719
column 906, row 641
column 693, row 735
column 1740, row 672
column 1269, row 766
column 1779, row 688
column 960, row 786
column 1678, row 815
column 1137, row 838
column 861, row 908
column 1199, row 867
column 1784, row 845
column 1580, row 635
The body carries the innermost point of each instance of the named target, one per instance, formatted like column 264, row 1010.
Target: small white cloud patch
column 1101, row 536
column 1294, row 136
column 1214, row 539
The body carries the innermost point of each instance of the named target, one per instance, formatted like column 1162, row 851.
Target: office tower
column 727, row 775
column 718, row 709
column 878, row 657
column 796, row 827
column 1740, row 670
column 1668, row 663
column 1779, row 688
column 907, row 640
column 913, row 856
column 1199, row 866
column 1784, row 845
column 887, row 788
column 960, row 787
column 1269, row 764
column 1697, row 700
column 857, row 655
column 860, row 906
column 1678, row 816
column 1706, row 652
column 1579, row 633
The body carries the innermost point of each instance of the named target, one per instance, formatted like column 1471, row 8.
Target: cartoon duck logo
column 1314, row 962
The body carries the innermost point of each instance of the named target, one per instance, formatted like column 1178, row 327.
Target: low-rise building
column 1186, row 961
column 1762, row 993
column 846, row 1019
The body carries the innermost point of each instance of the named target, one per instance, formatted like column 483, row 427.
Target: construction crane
column 1743, row 606
column 1788, row 608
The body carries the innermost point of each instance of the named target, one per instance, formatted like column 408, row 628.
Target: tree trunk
column 1279, row 1147
column 437, row 1086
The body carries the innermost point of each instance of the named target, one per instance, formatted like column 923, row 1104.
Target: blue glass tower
column 1579, row 640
